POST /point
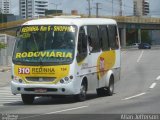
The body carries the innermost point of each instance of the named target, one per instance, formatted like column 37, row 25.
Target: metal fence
column 6, row 54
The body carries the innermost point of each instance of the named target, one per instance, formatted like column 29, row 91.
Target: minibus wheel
column 110, row 88
column 107, row 91
column 82, row 95
column 27, row 99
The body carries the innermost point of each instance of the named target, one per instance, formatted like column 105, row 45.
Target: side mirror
column 17, row 31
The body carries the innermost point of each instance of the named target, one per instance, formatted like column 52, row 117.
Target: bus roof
column 71, row 21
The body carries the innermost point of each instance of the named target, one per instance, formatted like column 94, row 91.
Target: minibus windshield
column 45, row 44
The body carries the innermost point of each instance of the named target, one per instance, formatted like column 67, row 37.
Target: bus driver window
column 82, row 45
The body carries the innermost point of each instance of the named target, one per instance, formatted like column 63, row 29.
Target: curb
column 5, row 69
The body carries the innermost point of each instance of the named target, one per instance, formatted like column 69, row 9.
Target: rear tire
column 110, row 88
column 27, row 99
column 82, row 95
column 106, row 91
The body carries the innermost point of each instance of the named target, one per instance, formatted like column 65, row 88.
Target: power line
column 117, row 2
column 130, row 13
column 121, row 6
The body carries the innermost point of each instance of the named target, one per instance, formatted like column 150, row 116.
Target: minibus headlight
column 71, row 77
column 17, row 79
column 62, row 81
column 20, row 81
column 66, row 80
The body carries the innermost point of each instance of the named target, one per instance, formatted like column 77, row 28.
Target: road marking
column 153, row 85
column 139, row 58
column 7, row 97
column 134, row 96
column 124, row 52
column 55, row 112
column 158, row 78
column 67, row 110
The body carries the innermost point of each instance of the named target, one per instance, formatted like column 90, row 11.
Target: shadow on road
column 53, row 100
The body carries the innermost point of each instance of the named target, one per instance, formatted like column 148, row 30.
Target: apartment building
column 5, row 6
column 6, row 54
column 141, row 7
column 32, row 8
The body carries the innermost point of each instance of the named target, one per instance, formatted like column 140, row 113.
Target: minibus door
column 94, row 55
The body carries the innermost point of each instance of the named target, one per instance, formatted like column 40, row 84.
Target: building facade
column 6, row 54
column 141, row 7
column 32, row 8
column 5, row 6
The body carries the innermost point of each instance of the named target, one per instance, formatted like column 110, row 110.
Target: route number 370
column 23, row 70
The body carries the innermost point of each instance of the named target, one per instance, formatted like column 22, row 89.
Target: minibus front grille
column 40, row 79
column 47, row 89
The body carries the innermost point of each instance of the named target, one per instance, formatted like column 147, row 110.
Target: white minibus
column 66, row 56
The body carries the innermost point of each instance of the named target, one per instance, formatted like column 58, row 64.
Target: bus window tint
column 103, row 35
column 82, row 45
column 93, row 38
column 82, row 42
column 113, row 37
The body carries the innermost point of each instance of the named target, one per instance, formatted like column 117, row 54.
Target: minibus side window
column 103, row 35
column 82, row 45
column 93, row 39
column 113, row 37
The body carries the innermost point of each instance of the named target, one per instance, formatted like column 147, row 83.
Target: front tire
column 27, row 99
column 82, row 95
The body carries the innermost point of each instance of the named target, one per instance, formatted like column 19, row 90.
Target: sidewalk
column 5, row 75
column 5, row 68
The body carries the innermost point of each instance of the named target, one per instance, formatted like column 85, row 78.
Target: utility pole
column 97, row 9
column 89, row 8
column 56, row 5
column 121, row 12
column 112, row 7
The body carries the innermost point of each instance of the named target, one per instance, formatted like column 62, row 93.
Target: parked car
column 135, row 44
column 144, row 46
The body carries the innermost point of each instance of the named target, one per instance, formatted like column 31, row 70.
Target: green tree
column 2, row 45
column 145, row 36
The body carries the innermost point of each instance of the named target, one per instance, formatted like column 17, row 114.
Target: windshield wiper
column 41, row 63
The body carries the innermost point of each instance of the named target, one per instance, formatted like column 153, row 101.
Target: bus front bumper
column 42, row 89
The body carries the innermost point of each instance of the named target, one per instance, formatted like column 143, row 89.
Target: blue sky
column 106, row 6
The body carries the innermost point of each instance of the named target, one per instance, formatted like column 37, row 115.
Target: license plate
column 40, row 90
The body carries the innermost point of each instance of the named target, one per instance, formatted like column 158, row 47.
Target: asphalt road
column 136, row 93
